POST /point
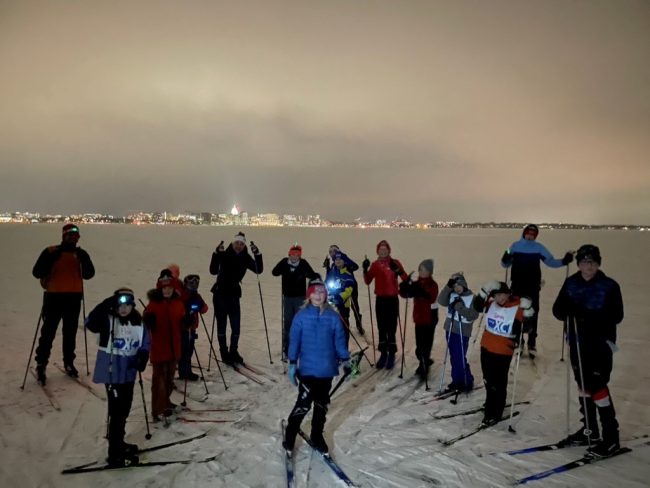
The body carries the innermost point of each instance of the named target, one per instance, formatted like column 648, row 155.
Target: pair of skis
column 289, row 466
column 94, row 466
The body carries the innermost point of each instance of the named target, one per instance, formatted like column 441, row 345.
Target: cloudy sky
column 435, row 110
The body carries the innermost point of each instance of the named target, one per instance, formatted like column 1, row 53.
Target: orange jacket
column 499, row 344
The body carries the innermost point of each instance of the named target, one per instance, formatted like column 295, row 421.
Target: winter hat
column 588, row 251
column 315, row 284
column 239, row 237
column 191, row 281
column 69, row 229
column 175, row 270
column 295, row 250
column 530, row 229
column 428, row 265
column 164, row 280
column 383, row 242
column 338, row 255
column 503, row 288
column 124, row 296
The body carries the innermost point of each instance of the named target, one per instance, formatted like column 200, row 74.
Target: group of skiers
column 316, row 326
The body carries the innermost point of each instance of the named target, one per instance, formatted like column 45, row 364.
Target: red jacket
column 385, row 278
column 164, row 319
column 424, row 292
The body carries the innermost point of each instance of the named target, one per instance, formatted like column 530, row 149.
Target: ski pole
column 184, row 403
column 587, row 431
column 259, row 287
column 210, row 336
column 338, row 384
column 462, row 348
column 568, row 380
column 284, row 337
column 444, row 363
column 403, row 333
column 372, row 325
column 514, row 386
column 144, row 405
column 31, row 351
column 347, row 327
column 215, row 354
column 198, row 361
column 83, row 304
column 564, row 330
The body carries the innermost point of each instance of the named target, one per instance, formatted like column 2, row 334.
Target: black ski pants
column 59, row 307
column 495, row 376
column 387, row 309
column 424, row 341
column 310, row 389
column 120, row 397
column 227, row 307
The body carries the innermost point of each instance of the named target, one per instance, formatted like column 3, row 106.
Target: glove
column 394, row 267
column 254, row 249
column 414, row 276
column 568, row 257
column 220, row 247
column 458, row 304
column 488, row 288
column 326, row 263
column 507, row 257
column 347, row 367
column 526, row 304
column 82, row 255
column 451, row 282
column 194, row 307
column 292, row 372
column 143, row 359
column 365, row 265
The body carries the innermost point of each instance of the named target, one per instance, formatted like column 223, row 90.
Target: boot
column 390, row 362
column 383, row 357
column 70, row 370
column 610, row 443
column 579, row 438
column 40, row 374
column 235, row 357
column 318, row 441
column 225, row 356
column 290, row 434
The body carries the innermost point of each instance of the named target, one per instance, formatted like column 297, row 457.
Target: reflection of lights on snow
column 235, row 210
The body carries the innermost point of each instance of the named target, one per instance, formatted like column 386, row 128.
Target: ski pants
column 290, row 307
column 495, row 377
column 387, row 309
column 187, row 350
column 424, row 341
column 162, row 385
column 58, row 307
column 310, row 389
column 355, row 306
column 461, row 374
column 227, row 307
column 120, row 397
column 531, row 323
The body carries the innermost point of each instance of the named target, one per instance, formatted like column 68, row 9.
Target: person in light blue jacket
column 317, row 345
column 122, row 351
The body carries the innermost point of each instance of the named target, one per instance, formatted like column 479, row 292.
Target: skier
column 524, row 257
column 230, row 265
column 61, row 269
column 340, row 285
column 351, row 266
column 592, row 304
column 316, row 347
column 424, row 290
column 295, row 272
column 123, row 350
column 385, row 270
column 194, row 305
column 504, row 321
column 458, row 298
column 164, row 317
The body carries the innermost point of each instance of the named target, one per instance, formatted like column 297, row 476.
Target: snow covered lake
column 380, row 428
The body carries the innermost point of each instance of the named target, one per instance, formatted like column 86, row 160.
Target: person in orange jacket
column 384, row 271
column 163, row 317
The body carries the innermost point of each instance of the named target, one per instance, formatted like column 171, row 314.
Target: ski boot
column 70, row 370
column 390, row 362
column 381, row 362
column 318, row 441
column 235, row 357
column 40, row 374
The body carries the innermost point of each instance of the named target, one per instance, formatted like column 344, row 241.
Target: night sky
column 434, row 110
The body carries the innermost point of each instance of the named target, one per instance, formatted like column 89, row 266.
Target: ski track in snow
column 378, row 429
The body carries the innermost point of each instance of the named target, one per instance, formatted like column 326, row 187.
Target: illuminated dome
column 235, row 210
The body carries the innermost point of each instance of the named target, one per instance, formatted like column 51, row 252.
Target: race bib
column 127, row 339
column 501, row 320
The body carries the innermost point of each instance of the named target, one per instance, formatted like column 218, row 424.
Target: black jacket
column 294, row 277
column 230, row 269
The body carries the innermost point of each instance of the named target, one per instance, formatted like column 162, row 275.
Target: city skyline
column 448, row 110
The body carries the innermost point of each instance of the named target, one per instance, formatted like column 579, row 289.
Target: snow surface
column 379, row 426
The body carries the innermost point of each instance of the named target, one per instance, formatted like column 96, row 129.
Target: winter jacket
column 194, row 305
column 503, row 325
column 385, row 278
column 464, row 312
column 117, row 360
column 163, row 318
column 230, row 268
column 424, row 292
column 340, row 285
column 596, row 305
column 525, row 256
column 62, row 268
column 317, row 342
column 294, row 278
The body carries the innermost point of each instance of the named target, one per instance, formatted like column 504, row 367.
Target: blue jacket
column 525, row 258
column 317, row 342
column 340, row 285
column 117, row 363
